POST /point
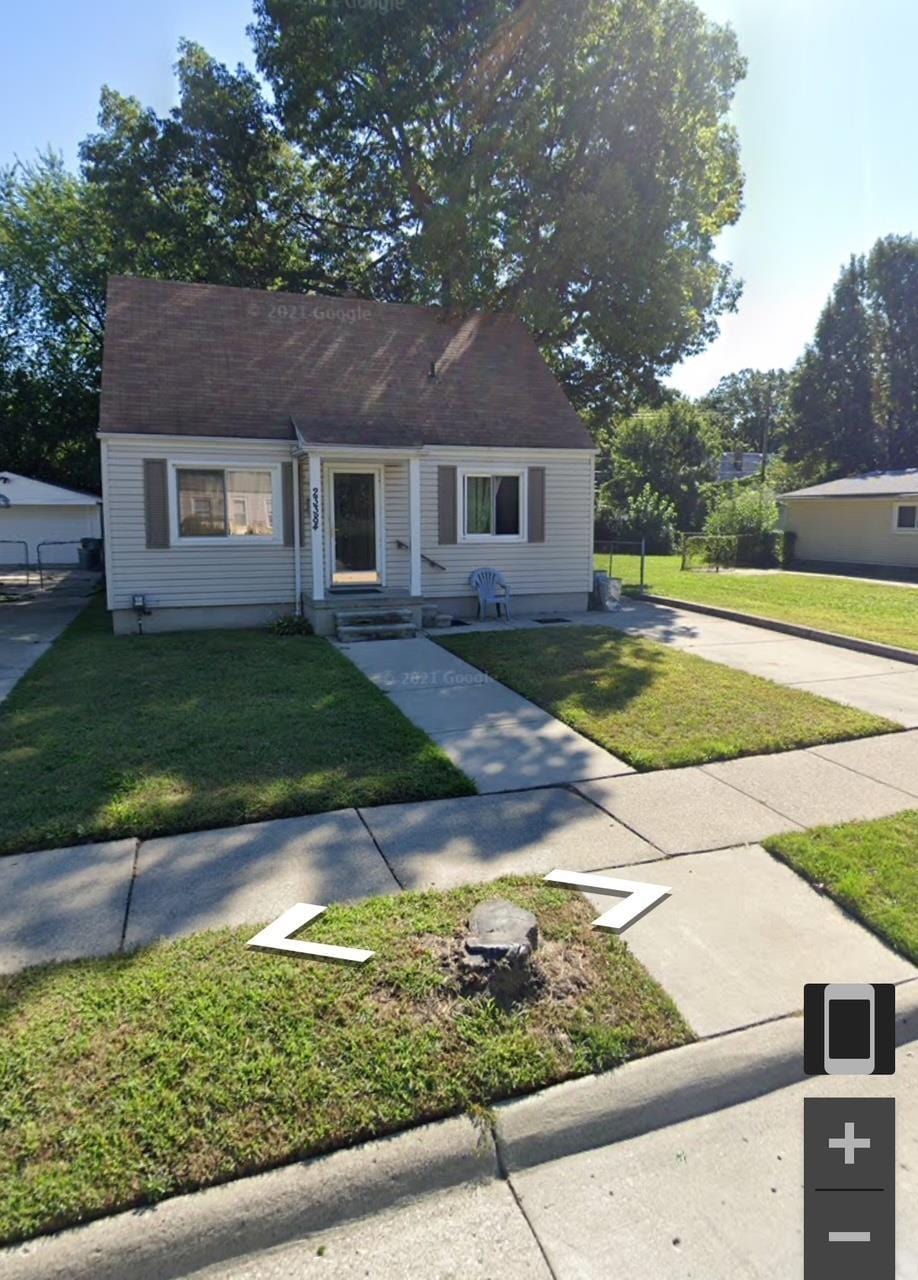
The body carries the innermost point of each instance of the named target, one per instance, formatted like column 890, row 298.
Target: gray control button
column 849, row 1188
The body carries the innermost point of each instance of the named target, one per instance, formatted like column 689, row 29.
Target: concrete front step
column 377, row 631
column 357, row 617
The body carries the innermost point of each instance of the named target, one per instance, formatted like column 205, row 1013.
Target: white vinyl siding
column 562, row 563
column 188, row 575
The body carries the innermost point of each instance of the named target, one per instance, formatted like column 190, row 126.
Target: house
column 738, row 464
column 34, row 514
column 261, row 450
column 868, row 520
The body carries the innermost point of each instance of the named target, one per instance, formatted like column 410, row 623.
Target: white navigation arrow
column 640, row 897
column 276, row 937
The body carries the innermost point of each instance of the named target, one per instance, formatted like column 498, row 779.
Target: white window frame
column 237, row 540
column 491, row 473
column 897, row 506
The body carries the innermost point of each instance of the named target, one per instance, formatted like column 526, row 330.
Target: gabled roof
column 208, row 360
column 20, row 491
column 873, row 484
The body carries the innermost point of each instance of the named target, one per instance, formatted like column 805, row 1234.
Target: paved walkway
column 28, row 628
column 880, row 685
column 499, row 739
column 97, row 898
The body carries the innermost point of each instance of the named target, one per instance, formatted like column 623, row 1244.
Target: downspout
column 296, row 452
column 297, row 564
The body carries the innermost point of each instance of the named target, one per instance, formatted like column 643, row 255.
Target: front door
column 354, row 542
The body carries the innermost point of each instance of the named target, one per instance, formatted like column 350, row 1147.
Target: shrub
column 748, row 514
column 647, row 515
column 291, row 624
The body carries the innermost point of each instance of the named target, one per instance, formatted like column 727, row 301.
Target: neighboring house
column 33, row 512
column 740, row 465
column 259, row 448
column 869, row 520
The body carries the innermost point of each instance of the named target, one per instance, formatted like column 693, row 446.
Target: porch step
column 374, row 624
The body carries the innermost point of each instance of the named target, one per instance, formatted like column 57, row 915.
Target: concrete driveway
column 883, row 686
column 28, row 628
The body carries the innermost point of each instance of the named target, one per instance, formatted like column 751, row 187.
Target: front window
column 224, row 503
column 907, row 517
column 491, row 505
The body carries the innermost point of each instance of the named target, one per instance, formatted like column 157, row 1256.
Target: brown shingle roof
column 198, row 359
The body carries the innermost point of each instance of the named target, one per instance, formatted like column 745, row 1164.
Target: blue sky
column 826, row 119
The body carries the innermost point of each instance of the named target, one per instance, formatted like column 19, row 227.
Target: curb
column 190, row 1232
column 873, row 647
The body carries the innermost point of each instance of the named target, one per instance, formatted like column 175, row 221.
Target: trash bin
column 607, row 591
column 90, row 553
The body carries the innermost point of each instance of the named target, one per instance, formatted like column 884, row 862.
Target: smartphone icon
column 848, row 1027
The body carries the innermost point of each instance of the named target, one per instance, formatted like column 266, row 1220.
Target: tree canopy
column 750, row 407
column 570, row 162
column 854, row 394
column 675, row 450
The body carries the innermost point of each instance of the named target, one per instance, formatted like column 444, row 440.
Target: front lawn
column 871, row 868
column 866, row 610
column 655, row 707
column 125, row 735
column 129, row 1079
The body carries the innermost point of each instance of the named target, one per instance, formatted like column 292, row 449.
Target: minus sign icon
column 849, row 1237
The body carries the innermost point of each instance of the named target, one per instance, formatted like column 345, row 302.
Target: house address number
column 315, row 507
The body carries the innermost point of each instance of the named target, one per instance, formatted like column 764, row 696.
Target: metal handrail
column 20, row 542
column 406, row 546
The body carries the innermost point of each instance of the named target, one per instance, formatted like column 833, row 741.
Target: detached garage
column 869, row 520
column 33, row 512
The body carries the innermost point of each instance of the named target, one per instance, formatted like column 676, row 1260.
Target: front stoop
column 383, row 623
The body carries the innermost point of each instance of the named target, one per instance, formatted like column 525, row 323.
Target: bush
column 748, row 514
column 291, row 624
column 647, row 515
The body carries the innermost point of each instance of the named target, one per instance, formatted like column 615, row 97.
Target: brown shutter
column 536, row 505
column 156, row 502
column 287, row 498
column 446, row 506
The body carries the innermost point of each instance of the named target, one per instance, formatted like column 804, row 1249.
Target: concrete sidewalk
column 499, row 739
column 877, row 684
column 734, row 910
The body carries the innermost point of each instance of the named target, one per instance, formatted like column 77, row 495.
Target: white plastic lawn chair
column 492, row 588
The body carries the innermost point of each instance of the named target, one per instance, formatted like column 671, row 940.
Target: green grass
column 128, row 1079
column 656, row 707
column 123, row 735
column 866, row 610
column 871, row 868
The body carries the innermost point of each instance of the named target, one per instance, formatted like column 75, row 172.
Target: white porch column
column 315, row 526
column 414, row 518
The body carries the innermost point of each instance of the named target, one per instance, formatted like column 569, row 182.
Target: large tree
column 750, row 408
column 675, row 450
column 568, row 160
column 212, row 192
column 854, row 394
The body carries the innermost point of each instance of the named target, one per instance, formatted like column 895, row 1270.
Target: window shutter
column 287, row 500
column 446, row 506
column 536, row 504
column 156, row 502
